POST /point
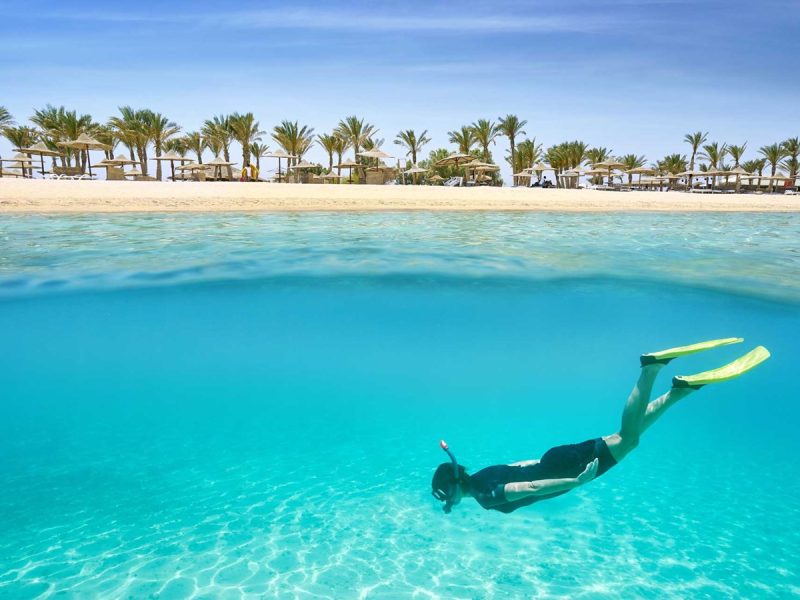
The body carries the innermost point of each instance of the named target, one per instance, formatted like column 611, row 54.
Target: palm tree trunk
column 226, row 153
column 158, row 162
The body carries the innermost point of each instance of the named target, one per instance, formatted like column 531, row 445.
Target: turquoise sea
column 249, row 406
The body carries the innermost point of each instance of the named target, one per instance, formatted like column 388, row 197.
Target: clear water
column 249, row 405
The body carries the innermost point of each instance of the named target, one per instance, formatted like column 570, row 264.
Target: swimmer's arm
column 545, row 487
column 525, row 463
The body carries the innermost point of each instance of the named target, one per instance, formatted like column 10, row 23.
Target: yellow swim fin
column 664, row 356
column 743, row 364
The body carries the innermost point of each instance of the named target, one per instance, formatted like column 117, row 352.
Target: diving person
column 506, row 488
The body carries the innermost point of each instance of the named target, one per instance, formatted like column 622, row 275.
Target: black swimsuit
column 487, row 485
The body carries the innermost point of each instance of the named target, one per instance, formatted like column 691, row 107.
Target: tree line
column 140, row 130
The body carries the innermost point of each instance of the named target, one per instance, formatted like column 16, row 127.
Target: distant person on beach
column 506, row 488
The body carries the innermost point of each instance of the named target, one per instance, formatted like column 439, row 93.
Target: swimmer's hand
column 589, row 473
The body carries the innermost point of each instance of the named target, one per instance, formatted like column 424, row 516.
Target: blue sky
column 631, row 75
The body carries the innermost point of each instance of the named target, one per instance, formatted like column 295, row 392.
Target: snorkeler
column 508, row 487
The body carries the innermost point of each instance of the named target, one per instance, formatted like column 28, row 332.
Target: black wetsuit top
column 487, row 485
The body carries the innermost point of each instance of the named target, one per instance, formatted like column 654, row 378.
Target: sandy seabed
column 44, row 196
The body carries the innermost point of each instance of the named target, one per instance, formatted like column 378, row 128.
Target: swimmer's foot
column 741, row 365
column 662, row 357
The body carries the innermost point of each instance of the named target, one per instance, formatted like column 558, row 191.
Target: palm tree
column 293, row 138
column 105, row 134
column 695, row 140
column 485, row 132
column 736, row 152
column 217, row 130
column 355, row 132
column 159, row 130
column 177, row 145
column 511, row 127
column 196, row 143
column 412, row 142
column 672, row 163
column 464, row 138
column 598, row 155
column 773, row 155
column 329, row 142
column 714, row 154
column 20, row 137
column 61, row 125
column 245, row 130
column 566, row 156
column 632, row 161
column 5, row 117
column 527, row 153
column 259, row 151
column 132, row 129
column 341, row 146
column 791, row 148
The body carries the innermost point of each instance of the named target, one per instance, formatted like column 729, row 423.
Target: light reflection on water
column 754, row 254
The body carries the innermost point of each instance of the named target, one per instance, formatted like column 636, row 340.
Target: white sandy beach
column 41, row 196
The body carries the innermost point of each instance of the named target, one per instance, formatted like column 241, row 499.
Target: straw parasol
column 611, row 165
column 217, row 163
column 739, row 172
column 303, row 165
column 41, row 150
column 331, row 176
column 456, row 159
column 85, row 142
column 173, row 157
column 414, row 170
column 133, row 173
column 375, row 153
column 641, row 171
column 19, row 161
column 280, row 154
column 348, row 164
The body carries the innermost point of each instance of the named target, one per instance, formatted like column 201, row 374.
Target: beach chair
column 453, row 182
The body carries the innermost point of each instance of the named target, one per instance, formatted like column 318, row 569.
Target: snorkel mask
column 448, row 495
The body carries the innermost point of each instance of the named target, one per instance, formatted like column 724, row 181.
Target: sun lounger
column 454, row 182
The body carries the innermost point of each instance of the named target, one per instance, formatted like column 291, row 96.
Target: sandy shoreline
column 38, row 196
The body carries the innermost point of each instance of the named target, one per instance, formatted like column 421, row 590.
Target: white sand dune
column 40, row 196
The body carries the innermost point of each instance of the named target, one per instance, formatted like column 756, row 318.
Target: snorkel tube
column 448, row 504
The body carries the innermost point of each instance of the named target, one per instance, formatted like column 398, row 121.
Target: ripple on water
column 748, row 253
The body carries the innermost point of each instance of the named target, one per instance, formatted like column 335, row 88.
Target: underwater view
column 250, row 405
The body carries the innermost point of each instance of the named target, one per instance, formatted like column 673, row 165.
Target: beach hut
column 85, row 143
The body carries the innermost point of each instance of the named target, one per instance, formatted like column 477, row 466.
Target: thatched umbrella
column 413, row 171
column 281, row 154
column 435, row 178
column 217, row 164
column 611, row 165
column 456, row 159
column 332, row 176
column 18, row 161
column 41, row 150
column 641, row 171
column 173, row 157
column 85, row 142
column 303, row 165
column 739, row 172
column 348, row 164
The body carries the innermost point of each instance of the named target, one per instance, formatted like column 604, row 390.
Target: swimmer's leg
column 633, row 417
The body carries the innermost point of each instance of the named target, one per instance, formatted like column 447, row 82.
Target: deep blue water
column 253, row 410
